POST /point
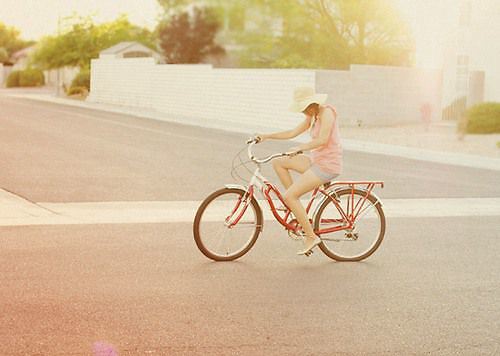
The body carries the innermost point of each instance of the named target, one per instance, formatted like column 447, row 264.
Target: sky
column 36, row 18
column 433, row 23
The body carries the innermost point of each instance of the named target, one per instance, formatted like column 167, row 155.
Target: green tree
column 172, row 4
column 4, row 55
column 188, row 38
column 330, row 34
column 10, row 40
column 82, row 40
column 372, row 30
column 314, row 33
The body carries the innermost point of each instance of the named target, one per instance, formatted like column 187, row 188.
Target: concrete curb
column 457, row 159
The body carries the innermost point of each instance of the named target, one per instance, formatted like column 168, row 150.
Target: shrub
column 31, row 77
column 484, row 118
column 82, row 79
column 13, row 79
column 77, row 91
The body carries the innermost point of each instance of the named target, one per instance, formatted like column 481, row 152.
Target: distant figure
column 426, row 114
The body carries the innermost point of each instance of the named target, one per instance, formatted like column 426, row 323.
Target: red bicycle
column 347, row 216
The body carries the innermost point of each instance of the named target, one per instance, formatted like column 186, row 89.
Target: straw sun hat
column 305, row 96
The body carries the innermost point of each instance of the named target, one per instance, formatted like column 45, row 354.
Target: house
column 130, row 50
column 21, row 61
column 21, row 58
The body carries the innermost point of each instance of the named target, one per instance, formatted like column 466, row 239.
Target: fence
column 257, row 99
column 381, row 95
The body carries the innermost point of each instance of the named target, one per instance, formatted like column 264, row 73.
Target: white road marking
column 15, row 211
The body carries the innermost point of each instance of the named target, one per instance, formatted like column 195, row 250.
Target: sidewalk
column 441, row 136
column 439, row 144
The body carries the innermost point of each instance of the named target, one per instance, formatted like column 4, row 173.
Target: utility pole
column 58, row 69
column 462, row 74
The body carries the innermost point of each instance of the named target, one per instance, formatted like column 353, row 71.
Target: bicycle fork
column 240, row 208
column 245, row 200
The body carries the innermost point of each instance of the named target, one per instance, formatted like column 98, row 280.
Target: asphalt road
column 431, row 289
column 55, row 153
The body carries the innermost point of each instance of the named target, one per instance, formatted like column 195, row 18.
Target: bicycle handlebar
column 254, row 140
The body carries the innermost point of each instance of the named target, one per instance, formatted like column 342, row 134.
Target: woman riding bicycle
column 325, row 162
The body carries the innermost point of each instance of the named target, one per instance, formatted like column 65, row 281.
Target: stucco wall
column 257, row 99
column 245, row 99
column 379, row 95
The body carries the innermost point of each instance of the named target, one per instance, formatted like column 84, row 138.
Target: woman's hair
column 314, row 106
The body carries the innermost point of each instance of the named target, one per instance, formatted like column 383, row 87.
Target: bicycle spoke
column 365, row 210
column 217, row 248
column 214, row 237
column 351, row 242
column 243, row 224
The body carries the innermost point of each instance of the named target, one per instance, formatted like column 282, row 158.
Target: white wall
column 4, row 74
column 66, row 76
column 244, row 100
column 381, row 95
column 250, row 100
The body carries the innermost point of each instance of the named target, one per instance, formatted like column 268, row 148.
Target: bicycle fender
column 235, row 186
column 377, row 198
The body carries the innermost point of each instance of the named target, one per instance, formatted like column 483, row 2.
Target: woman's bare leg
column 306, row 183
column 299, row 163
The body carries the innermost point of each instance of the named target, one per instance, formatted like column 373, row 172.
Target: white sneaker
column 309, row 247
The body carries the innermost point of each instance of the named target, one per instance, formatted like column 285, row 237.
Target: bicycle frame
column 266, row 188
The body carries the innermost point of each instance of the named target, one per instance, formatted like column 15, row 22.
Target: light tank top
column 328, row 157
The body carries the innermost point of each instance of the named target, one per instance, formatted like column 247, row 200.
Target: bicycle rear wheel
column 368, row 230
column 212, row 233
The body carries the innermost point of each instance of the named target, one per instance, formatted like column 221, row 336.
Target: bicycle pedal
column 308, row 253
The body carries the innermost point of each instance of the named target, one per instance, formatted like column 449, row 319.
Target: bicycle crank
column 297, row 234
column 351, row 235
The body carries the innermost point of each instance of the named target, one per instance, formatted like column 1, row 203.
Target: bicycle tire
column 336, row 256
column 200, row 238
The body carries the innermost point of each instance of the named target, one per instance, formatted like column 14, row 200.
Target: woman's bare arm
column 327, row 120
column 285, row 135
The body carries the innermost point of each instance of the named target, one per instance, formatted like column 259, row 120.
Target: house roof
column 22, row 53
column 122, row 46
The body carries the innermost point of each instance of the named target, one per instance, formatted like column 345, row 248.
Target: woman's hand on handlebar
column 294, row 151
column 260, row 137
column 256, row 139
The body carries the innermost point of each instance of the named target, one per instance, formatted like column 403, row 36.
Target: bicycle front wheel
column 368, row 228
column 212, row 230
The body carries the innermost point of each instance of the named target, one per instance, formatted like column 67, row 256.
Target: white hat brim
column 299, row 106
